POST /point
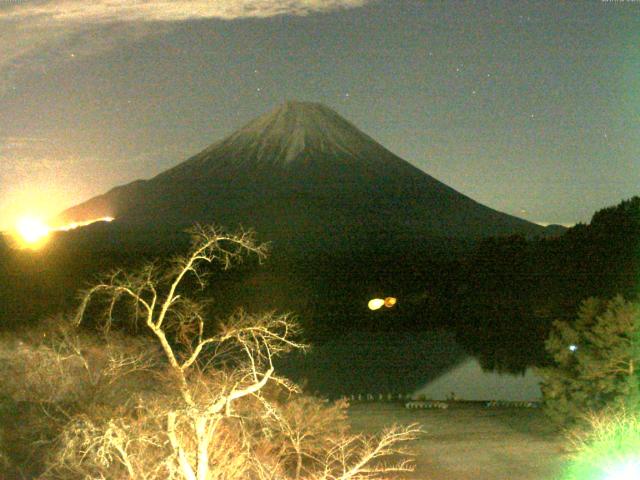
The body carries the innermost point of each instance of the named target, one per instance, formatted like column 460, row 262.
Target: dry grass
column 218, row 410
column 470, row 442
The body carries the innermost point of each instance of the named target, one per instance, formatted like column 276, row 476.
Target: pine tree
column 595, row 361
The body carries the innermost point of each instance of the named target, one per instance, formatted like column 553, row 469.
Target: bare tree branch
column 215, row 413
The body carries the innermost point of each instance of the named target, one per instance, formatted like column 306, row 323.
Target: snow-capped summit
column 292, row 135
column 295, row 127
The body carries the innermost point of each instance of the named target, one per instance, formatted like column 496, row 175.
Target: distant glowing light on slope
column 32, row 232
column 378, row 303
column 73, row 225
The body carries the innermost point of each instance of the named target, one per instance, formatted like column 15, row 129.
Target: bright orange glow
column 32, row 232
column 390, row 302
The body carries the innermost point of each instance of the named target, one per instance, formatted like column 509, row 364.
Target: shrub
column 608, row 448
column 190, row 401
column 595, row 361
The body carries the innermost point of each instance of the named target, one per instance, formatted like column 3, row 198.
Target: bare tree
column 217, row 414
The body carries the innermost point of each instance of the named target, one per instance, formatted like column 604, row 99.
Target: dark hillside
column 302, row 174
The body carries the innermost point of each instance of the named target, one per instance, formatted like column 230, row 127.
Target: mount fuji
column 302, row 171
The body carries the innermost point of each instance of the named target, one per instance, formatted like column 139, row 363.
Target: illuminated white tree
column 216, row 410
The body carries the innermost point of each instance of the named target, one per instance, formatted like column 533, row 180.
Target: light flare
column 626, row 471
column 33, row 233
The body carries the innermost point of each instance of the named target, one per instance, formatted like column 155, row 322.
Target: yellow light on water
column 375, row 303
column 378, row 303
column 32, row 232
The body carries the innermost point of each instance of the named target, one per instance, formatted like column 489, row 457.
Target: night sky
column 530, row 107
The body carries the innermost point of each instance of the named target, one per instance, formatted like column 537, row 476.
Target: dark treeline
column 498, row 296
column 512, row 289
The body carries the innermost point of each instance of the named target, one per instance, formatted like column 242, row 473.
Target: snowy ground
column 470, row 442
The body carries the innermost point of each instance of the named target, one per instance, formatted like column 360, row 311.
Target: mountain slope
column 302, row 171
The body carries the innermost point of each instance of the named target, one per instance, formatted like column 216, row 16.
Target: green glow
column 610, row 452
column 625, row 471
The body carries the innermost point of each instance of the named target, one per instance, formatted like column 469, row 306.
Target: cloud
column 25, row 158
column 103, row 11
column 34, row 32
